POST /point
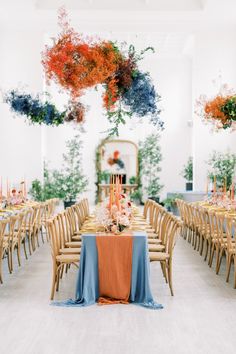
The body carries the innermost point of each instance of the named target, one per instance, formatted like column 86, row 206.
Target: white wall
column 20, row 144
column 215, row 53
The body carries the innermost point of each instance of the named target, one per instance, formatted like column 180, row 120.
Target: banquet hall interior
column 117, row 176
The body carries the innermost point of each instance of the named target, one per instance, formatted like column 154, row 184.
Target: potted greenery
column 150, row 157
column 46, row 190
column 104, row 176
column 222, row 167
column 133, row 180
column 65, row 183
column 170, row 202
column 187, row 174
column 136, row 196
column 70, row 180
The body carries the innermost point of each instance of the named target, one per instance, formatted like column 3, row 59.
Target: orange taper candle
column 8, row 189
column 25, row 189
column 207, row 183
column 214, row 190
column 224, row 190
column 232, row 191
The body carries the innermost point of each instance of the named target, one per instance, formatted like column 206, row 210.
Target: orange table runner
column 114, row 268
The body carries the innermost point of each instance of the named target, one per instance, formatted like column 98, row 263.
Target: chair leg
column 41, row 230
column 62, row 271
column 11, row 259
column 196, row 240
column 207, row 247
column 234, row 272
column 219, row 262
column 202, row 245
column 33, row 237
column 170, row 277
column 163, row 268
column 228, row 267
column 26, row 257
column 18, row 254
column 58, row 276
column 1, row 278
column 54, row 279
column 37, row 237
column 67, row 267
column 193, row 237
column 217, row 256
column 189, row 235
column 30, row 243
column 212, row 252
column 46, row 232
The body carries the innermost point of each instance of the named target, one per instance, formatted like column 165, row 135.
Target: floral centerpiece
column 220, row 200
column 115, row 213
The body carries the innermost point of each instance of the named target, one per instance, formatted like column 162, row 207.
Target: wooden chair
column 16, row 238
column 231, row 248
column 7, row 241
column 24, row 230
column 65, row 230
column 165, row 258
column 58, row 260
column 38, row 223
column 28, row 225
column 183, row 214
column 216, row 233
column 3, row 224
column 66, row 245
column 47, row 214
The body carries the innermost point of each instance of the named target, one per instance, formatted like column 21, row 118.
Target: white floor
column 200, row 318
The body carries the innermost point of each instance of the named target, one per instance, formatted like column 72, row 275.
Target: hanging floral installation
column 34, row 109
column 76, row 63
column 220, row 110
column 40, row 111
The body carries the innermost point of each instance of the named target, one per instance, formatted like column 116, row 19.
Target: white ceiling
column 168, row 24
column 146, row 5
column 191, row 13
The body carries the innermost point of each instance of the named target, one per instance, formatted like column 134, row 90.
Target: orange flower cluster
column 76, row 65
column 111, row 94
column 213, row 108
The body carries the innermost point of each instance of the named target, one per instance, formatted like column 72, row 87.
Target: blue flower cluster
column 141, row 98
column 34, row 109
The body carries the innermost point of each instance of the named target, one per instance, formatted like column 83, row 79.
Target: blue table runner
column 87, row 285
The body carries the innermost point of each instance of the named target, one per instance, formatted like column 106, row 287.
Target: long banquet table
column 87, row 285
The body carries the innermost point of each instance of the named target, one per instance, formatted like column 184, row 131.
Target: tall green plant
column 187, row 172
column 150, row 157
column 70, row 180
column 221, row 166
column 67, row 182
